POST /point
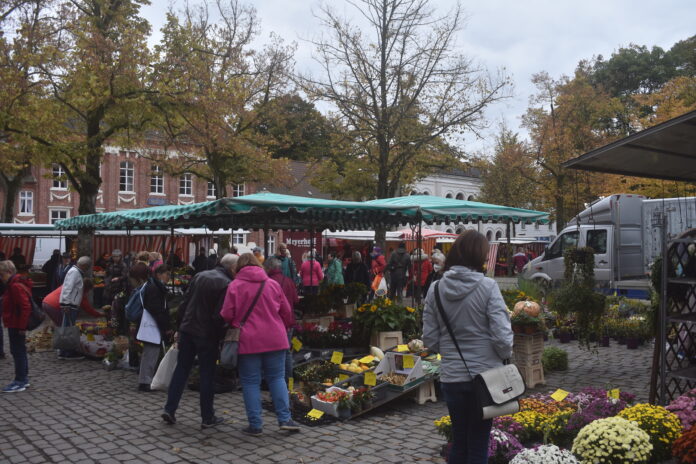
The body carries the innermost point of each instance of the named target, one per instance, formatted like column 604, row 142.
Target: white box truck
column 625, row 232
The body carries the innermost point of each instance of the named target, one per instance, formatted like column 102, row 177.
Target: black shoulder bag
column 497, row 390
column 230, row 347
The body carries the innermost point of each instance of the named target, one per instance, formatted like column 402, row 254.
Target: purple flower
column 502, row 446
column 508, row 425
column 685, row 409
column 599, row 408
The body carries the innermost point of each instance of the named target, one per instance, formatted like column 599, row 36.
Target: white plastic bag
column 164, row 373
column 148, row 331
column 382, row 288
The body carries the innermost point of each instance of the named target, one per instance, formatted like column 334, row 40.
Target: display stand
column 527, row 351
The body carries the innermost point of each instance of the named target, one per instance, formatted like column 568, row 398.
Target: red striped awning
column 26, row 244
column 492, row 258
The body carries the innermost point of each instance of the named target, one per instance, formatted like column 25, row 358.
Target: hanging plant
column 577, row 299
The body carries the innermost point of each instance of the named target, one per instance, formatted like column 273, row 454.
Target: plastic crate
column 528, row 344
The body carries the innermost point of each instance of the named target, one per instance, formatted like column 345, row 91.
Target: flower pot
column 517, row 329
column 632, row 343
column 564, row 337
column 530, row 329
column 605, row 341
column 344, row 413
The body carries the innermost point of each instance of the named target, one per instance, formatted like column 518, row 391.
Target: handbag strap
column 438, row 302
column 253, row 303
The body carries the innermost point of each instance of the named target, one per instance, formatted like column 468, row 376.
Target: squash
column 530, row 307
column 415, row 346
column 377, row 353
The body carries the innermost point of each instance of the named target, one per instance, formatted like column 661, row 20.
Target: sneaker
column 216, row 421
column 290, row 426
column 168, row 418
column 14, row 387
column 252, row 431
column 144, row 387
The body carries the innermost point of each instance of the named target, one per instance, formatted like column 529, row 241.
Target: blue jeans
column 189, row 348
column 18, row 348
column 70, row 319
column 270, row 366
column 470, row 432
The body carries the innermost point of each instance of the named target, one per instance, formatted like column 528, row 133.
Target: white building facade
column 467, row 186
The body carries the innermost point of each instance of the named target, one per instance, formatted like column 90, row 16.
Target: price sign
column 342, row 377
column 291, row 383
column 409, row 362
column 296, row 344
column 367, row 359
column 559, row 395
column 90, row 337
column 337, row 357
column 370, row 378
column 401, row 348
column 315, row 414
column 439, row 358
column 614, row 394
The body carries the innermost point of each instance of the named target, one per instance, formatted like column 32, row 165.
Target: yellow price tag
column 342, row 377
column 370, row 378
column 559, row 395
column 90, row 337
column 401, row 348
column 337, row 357
column 367, row 359
column 315, row 413
column 614, row 394
column 409, row 362
column 296, row 344
column 439, row 358
column 291, row 384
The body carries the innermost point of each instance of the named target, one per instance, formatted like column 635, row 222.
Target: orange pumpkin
column 530, row 307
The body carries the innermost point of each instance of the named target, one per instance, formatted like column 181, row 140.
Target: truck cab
column 548, row 268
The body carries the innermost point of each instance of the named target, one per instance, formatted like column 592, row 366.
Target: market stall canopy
column 259, row 210
column 408, row 234
column 436, row 209
column 666, row 151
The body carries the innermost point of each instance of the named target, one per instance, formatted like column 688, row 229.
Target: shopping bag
column 66, row 337
column 165, row 371
column 148, row 331
column 381, row 288
column 376, row 281
column 230, row 349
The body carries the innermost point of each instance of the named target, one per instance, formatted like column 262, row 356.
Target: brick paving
column 79, row 413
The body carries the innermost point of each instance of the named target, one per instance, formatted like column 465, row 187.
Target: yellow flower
column 373, row 308
column 410, row 309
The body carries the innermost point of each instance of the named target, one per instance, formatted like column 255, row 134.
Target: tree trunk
column 12, row 186
column 560, row 203
column 88, row 189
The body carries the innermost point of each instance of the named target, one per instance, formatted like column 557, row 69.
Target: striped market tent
column 26, row 244
column 108, row 243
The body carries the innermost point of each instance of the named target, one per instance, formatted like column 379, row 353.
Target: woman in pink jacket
column 311, row 275
column 262, row 340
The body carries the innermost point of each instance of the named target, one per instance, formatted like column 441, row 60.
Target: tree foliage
column 400, row 89
column 212, row 86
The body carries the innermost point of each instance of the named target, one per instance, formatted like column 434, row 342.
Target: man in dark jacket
column 200, row 263
column 62, row 269
column 50, row 268
column 399, row 262
column 116, row 274
column 200, row 331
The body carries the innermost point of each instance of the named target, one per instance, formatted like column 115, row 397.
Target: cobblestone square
column 77, row 412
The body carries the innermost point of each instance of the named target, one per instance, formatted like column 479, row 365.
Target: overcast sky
column 522, row 36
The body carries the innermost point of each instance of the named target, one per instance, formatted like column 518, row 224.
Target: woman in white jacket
column 479, row 318
column 71, row 298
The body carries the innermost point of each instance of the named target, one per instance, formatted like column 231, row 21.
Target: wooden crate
column 528, row 344
column 532, row 375
column 386, row 340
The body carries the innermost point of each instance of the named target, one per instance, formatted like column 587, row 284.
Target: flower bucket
column 605, row 341
column 564, row 337
column 632, row 343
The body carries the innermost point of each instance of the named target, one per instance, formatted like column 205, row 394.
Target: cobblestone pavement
column 77, row 412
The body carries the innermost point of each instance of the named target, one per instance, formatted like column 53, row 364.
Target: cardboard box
column 394, row 362
column 328, row 408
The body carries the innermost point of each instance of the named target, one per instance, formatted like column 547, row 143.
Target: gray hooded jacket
column 479, row 318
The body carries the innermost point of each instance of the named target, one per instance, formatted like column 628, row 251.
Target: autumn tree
column 566, row 118
column 510, row 176
column 95, row 91
column 212, row 85
column 398, row 85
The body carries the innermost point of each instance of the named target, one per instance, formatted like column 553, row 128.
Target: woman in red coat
column 16, row 308
column 420, row 281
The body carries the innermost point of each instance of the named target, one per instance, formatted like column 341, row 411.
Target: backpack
column 135, row 305
column 37, row 315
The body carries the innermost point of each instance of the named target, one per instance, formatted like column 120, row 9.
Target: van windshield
column 562, row 243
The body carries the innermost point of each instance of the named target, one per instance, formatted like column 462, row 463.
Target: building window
column 271, row 245
column 460, row 230
column 26, row 202
column 125, row 179
column 471, row 198
column 156, row 180
column 212, row 191
column 425, row 192
column 489, row 235
column 523, row 226
column 186, row 184
column 498, row 235
column 238, row 190
column 238, row 239
column 449, row 195
column 414, row 192
column 536, row 226
column 460, row 196
column 59, row 181
column 58, row 215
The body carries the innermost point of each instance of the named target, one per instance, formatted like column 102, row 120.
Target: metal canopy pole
column 509, row 250
column 419, row 245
